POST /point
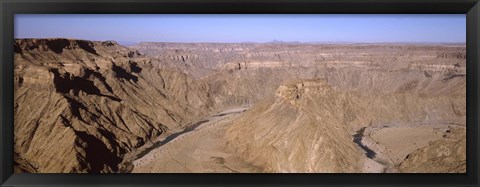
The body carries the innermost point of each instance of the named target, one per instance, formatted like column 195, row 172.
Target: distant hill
column 282, row 42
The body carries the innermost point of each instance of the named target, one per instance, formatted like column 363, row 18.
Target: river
column 357, row 138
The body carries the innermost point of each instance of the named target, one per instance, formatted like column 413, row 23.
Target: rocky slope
column 81, row 105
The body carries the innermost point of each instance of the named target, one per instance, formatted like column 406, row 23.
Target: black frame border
column 8, row 8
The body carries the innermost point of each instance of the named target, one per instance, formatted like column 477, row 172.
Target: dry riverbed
column 201, row 150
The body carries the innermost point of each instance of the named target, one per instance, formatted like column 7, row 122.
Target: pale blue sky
column 244, row 28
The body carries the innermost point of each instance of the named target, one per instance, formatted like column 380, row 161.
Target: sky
column 221, row 28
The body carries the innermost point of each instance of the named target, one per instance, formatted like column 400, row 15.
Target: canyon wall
column 81, row 105
column 90, row 106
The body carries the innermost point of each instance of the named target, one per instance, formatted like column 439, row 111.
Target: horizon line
column 267, row 42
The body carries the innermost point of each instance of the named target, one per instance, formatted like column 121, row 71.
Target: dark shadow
column 57, row 45
column 17, row 48
column 111, row 139
column 426, row 74
column 132, row 54
column 100, row 77
column 75, row 107
column 20, row 81
column 134, row 67
column 97, row 155
column 65, row 83
column 65, row 121
column 123, row 74
column 87, row 46
column 32, row 47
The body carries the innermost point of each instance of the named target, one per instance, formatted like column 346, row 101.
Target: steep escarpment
column 201, row 59
column 81, row 105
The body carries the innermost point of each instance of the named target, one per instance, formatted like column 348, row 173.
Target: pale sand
column 381, row 163
column 371, row 166
column 394, row 142
column 202, row 150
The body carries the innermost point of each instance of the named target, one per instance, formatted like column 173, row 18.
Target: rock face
column 81, row 105
column 88, row 106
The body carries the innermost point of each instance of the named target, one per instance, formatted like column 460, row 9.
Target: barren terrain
column 100, row 107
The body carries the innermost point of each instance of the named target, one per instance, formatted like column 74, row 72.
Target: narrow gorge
column 100, row 107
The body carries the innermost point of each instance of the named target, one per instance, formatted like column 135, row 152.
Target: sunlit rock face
column 80, row 106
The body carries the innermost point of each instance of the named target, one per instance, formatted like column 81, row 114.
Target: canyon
column 100, row 107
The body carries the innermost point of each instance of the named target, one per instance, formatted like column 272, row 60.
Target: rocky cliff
column 81, row 105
